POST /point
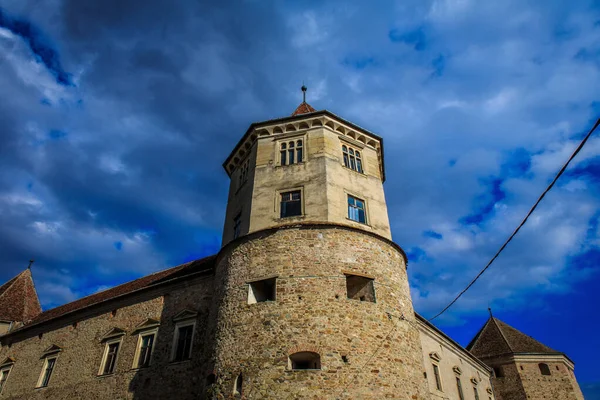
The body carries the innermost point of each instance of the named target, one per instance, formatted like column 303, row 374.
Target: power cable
column 577, row 150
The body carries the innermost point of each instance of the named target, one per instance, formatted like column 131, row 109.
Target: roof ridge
column 502, row 334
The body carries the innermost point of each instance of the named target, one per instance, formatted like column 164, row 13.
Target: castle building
column 308, row 298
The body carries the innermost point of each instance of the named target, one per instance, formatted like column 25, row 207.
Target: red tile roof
column 18, row 299
column 303, row 108
column 497, row 338
column 203, row 264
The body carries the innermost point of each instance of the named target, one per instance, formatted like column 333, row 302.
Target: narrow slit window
column 283, row 154
column 299, row 154
column 360, row 288
column 499, row 372
column 261, row 291
column 3, row 378
column 356, row 209
column 291, row 204
column 476, row 392
column 237, row 387
column 461, row 395
column 237, row 226
column 47, row 371
column 305, row 360
column 438, row 379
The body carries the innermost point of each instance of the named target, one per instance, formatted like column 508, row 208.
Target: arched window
column 544, row 369
column 352, row 159
column 305, row 360
column 237, row 386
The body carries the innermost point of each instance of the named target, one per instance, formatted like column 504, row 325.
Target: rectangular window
column 461, row 395
column 263, row 290
column 183, row 342
column 47, row 371
column 3, row 378
column 237, row 226
column 291, row 204
column 291, row 152
column 438, row 380
column 498, row 372
column 360, row 288
column 476, row 393
column 356, row 209
column 109, row 360
column 145, row 347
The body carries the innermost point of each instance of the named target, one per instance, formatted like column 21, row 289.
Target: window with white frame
column 182, row 340
column 352, row 158
column 291, row 152
column 357, row 210
column 47, row 370
column 110, row 356
column 4, row 371
column 145, row 348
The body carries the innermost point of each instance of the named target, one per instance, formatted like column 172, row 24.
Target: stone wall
column 76, row 371
column 368, row 350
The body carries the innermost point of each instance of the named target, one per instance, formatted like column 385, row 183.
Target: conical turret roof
column 498, row 338
column 18, row 299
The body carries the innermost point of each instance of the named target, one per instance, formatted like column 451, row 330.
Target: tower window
column 438, row 379
column 244, row 172
column 237, row 226
column 461, row 395
column 47, row 371
column 360, row 288
column 544, row 369
column 356, row 209
column 260, row 291
column 352, row 158
column 476, row 392
column 109, row 360
column 291, row 204
column 499, row 372
column 305, row 360
column 291, row 152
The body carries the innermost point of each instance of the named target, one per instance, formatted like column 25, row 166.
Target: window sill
column 105, row 375
column 291, row 218
column 289, row 165
column 358, row 222
column 140, row 368
column 41, row 387
column 180, row 362
column 355, row 171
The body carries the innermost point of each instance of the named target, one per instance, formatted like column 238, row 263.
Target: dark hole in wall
column 360, row 288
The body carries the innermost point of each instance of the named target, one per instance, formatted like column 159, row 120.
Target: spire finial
column 490, row 310
column 303, row 88
column 30, row 263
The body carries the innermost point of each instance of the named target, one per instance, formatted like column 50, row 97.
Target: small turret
column 19, row 301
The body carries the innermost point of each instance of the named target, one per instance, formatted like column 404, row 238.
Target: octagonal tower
column 312, row 297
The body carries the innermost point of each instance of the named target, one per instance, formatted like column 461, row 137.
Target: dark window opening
column 237, row 388
column 184, row 342
column 360, row 288
column 461, row 395
column 111, row 358
column 261, row 291
column 291, row 152
column 291, row 204
column 356, row 209
column 211, row 379
column 3, row 377
column 305, row 360
column 498, row 372
column 345, row 359
column 438, row 379
column 558, row 369
column 544, row 369
column 237, row 226
column 48, row 371
column 476, row 392
column 146, row 351
column 521, row 368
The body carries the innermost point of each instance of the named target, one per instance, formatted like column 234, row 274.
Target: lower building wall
column 452, row 362
column 76, row 372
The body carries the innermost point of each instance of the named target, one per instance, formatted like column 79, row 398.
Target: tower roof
column 303, row 108
column 18, row 299
column 498, row 338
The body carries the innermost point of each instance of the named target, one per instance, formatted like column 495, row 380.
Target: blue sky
column 116, row 117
